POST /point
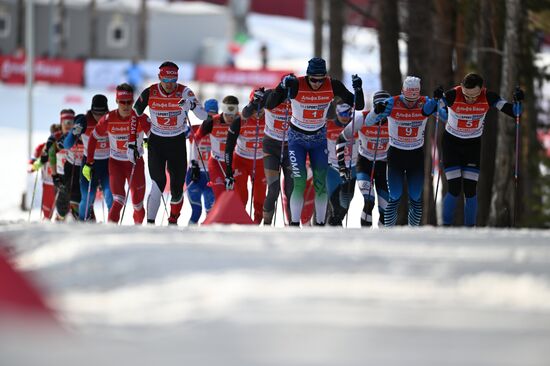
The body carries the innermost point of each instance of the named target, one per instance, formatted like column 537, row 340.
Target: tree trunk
column 530, row 210
column 20, row 41
column 491, row 31
column 142, row 40
column 336, row 38
column 388, row 37
column 62, row 51
column 318, row 7
column 444, row 42
column 503, row 200
column 419, row 55
column 93, row 29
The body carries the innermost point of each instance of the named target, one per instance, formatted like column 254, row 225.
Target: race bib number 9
column 407, row 131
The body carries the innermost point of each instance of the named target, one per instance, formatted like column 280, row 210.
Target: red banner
column 55, row 71
column 227, row 75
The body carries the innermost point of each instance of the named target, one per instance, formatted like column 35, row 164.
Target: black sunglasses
column 317, row 80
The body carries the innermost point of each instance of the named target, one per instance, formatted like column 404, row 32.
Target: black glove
column 132, row 153
column 58, row 180
column 345, row 174
column 438, row 93
column 195, row 171
column 519, row 95
column 288, row 81
column 356, row 82
column 59, row 144
column 259, row 95
column 380, row 107
column 44, row 158
column 229, row 182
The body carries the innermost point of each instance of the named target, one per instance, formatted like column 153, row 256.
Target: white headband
column 230, row 109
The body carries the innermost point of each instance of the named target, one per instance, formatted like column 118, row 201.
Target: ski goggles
column 344, row 110
column 169, row 80
column 168, row 74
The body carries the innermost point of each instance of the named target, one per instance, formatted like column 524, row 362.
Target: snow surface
column 255, row 296
column 268, row 296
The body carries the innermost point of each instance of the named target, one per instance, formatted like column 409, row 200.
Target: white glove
column 187, row 104
column 77, row 129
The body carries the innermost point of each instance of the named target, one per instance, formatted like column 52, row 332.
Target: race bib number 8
column 407, row 131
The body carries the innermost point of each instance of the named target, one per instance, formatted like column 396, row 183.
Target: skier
column 38, row 162
column 310, row 98
column 246, row 135
column 373, row 151
column 217, row 127
column 340, row 190
column 66, row 164
column 197, row 174
column 407, row 115
column 125, row 153
column 275, row 138
column 83, row 127
column 467, row 105
column 168, row 103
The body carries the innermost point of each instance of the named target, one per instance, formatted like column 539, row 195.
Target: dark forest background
column 497, row 39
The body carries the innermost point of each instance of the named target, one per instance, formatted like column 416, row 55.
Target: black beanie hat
column 99, row 104
column 380, row 96
column 316, row 66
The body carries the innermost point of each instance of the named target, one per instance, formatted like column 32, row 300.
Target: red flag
column 228, row 209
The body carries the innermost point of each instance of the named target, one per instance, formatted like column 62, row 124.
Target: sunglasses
column 169, row 80
column 125, row 102
column 317, row 80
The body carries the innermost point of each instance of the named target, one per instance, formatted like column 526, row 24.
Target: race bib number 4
column 122, row 145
